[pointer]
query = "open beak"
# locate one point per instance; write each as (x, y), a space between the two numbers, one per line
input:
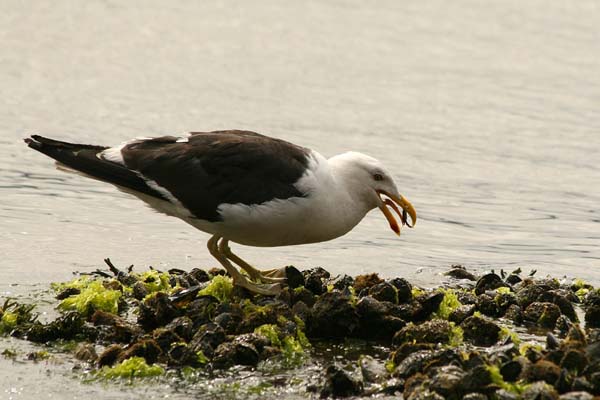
(394, 202)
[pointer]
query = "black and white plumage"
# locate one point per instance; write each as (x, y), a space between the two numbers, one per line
(243, 187)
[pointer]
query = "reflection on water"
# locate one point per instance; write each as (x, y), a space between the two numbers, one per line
(486, 113)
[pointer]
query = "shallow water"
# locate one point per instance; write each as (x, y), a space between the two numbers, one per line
(488, 115)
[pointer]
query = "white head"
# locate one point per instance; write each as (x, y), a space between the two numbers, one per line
(369, 183)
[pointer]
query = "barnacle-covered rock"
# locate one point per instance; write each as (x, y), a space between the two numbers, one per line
(333, 316)
(340, 383)
(480, 331)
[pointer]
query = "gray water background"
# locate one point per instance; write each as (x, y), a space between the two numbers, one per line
(487, 114)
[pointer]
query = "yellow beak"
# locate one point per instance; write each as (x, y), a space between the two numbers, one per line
(393, 201)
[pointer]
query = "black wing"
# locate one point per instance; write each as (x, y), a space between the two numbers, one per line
(212, 168)
(84, 158)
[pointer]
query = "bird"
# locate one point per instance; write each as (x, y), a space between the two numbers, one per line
(242, 187)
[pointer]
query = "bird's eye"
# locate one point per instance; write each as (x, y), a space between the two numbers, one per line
(378, 177)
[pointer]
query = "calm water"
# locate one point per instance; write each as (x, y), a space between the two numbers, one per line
(487, 113)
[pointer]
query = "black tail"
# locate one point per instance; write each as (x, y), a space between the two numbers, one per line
(84, 158)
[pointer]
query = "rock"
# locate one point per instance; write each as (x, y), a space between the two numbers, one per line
(576, 396)
(542, 371)
(475, 396)
(182, 326)
(199, 275)
(429, 303)
(480, 331)
(542, 314)
(513, 279)
(332, 316)
(384, 291)
(266, 311)
(180, 355)
(561, 299)
(294, 278)
(447, 380)
(595, 382)
(201, 310)
(403, 290)
(339, 383)
(511, 370)
(208, 337)
(433, 331)
(165, 338)
(235, 353)
(488, 282)
(419, 361)
(466, 297)
(156, 311)
(460, 272)
(503, 394)
(303, 294)
(229, 322)
(86, 352)
(514, 313)
(342, 282)
(564, 382)
(314, 280)
(114, 328)
(539, 391)
(487, 305)
(504, 301)
(580, 383)
(373, 371)
(366, 281)
(377, 320)
(574, 360)
(529, 293)
(460, 313)
(405, 349)
(477, 379)
(301, 310)
(110, 355)
(68, 292)
(146, 348)
(139, 290)
(592, 316)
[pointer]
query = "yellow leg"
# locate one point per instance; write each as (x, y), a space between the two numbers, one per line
(255, 274)
(238, 278)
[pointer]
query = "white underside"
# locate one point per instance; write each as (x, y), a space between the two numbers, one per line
(326, 213)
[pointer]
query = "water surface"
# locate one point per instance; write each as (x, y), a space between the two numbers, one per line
(487, 114)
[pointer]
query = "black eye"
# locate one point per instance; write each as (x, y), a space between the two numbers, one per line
(378, 177)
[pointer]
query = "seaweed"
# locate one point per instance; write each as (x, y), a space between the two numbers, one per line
(220, 287)
(93, 296)
(134, 367)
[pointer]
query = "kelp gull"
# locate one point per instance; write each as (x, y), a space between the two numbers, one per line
(242, 187)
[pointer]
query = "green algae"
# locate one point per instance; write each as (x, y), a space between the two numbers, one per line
(8, 322)
(449, 303)
(455, 337)
(155, 281)
(77, 283)
(292, 346)
(271, 332)
(497, 378)
(220, 287)
(416, 292)
(13, 314)
(390, 365)
(581, 293)
(95, 296)
(505, 333)
(503, 290)
(202, 359)
(134, 367)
